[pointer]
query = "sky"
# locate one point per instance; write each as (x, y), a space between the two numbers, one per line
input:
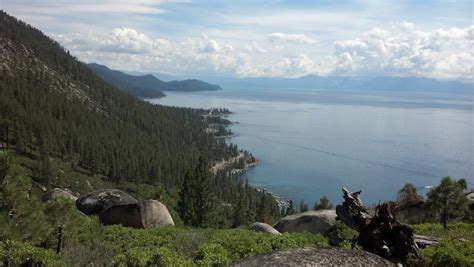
(267, 38)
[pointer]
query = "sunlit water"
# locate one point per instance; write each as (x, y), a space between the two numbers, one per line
(313, 142)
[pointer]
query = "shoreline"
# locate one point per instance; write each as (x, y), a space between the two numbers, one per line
(281, 201)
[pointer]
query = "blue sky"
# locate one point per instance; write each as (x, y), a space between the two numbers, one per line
(263, 38)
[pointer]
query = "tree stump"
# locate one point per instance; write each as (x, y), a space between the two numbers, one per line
(381, 233)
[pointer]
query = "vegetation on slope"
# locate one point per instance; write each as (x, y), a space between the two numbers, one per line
(28, 228)
(456, 247)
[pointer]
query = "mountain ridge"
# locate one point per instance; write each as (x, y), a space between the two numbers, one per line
(147, 85)
(375, 83)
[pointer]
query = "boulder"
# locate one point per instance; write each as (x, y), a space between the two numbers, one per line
(58, 192)
(144, 214)
(470, 199)
(263, 227)
(316, 257)
(316, 221)
(99, 200)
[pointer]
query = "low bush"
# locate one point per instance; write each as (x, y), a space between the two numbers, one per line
(14, 253)
(456, 247)
(150, 257)
(211, 254)
(446, 253)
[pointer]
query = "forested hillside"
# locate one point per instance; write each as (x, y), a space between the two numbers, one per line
(52, 106)
(147, 86)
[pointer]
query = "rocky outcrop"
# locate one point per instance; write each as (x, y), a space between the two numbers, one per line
(57, 193)
(470, 199)
(99, 200)
(316, 257)
(316, 221)
(263, 227)
(144, 214)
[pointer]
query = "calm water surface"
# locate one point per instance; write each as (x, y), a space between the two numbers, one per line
(313, 142)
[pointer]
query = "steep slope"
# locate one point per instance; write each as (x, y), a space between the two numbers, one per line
(147, 85)
(58, 107)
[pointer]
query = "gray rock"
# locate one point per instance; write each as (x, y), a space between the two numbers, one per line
(316, 221)
(316, 257)
(470, 199)
(99, 200)
(58, 192)
(263, 227)
(144, 214)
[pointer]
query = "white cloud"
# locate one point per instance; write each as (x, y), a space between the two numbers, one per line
(406, 50)
(87, 7)
(402, 50)
(128, 49)
(291, 38)
(130, 40)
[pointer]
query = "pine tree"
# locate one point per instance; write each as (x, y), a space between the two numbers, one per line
(186, 200)
(197, 200)
(408, 193)
(205, 198)
(303, 206)
(447, 200)
(44, 170)
(291, 209)
(323, 204)
(239, 216)
(263, 211)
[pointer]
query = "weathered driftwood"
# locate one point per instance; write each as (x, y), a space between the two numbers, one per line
(406, 204)
(380, 234)
(423, 241)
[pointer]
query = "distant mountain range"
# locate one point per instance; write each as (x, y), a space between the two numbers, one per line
(383, 83)
(148, 86)
(372, 83)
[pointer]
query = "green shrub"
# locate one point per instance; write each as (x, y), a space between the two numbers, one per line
(242, 243)
(211, 254)
(13, 253)
(21, 213)
(446, 253)
(293, 240)
(342, 233)
(151, 257)
(456, 247)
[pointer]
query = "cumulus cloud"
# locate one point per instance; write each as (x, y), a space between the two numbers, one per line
(291, 67)
(407, 50)
(291, 38)
(402, 50)
(128, 49)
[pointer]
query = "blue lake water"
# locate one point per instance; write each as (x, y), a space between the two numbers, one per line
(312, 142)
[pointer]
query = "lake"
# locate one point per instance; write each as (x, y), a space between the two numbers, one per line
(312, 142)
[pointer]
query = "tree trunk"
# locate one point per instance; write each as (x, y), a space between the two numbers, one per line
(380, 234)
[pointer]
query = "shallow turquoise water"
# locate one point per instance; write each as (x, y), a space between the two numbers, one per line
(313, 142)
